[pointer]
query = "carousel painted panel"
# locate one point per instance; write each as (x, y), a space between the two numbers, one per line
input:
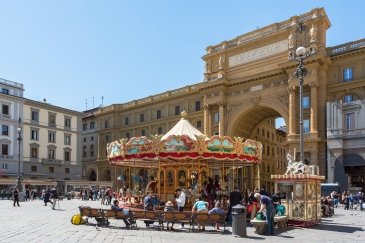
(220, 145)
(138, 145)
(178, 144)
(114, 149)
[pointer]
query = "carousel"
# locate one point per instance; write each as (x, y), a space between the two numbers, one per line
(182, 158)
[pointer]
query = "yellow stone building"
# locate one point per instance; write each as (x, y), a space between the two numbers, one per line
(248, 82)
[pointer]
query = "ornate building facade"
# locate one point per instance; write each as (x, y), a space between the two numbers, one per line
(249, 80)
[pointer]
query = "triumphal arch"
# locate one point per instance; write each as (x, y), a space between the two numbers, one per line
(251, 78)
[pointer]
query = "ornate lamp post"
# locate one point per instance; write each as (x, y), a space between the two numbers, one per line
(19, 130)
(302, 53)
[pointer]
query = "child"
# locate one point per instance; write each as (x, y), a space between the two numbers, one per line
(169, 207)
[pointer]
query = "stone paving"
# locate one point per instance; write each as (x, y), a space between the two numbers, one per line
(33, 222)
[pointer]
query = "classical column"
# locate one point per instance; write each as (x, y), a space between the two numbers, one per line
(314, 105)
(207, 120)
(221, 119)
(292, 111)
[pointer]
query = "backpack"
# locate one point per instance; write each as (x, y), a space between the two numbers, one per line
(76, 219)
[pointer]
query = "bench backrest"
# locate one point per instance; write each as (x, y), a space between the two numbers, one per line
(90, 212)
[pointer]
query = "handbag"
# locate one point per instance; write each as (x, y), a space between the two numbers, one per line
(260, 216)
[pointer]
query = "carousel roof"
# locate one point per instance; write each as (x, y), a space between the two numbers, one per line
(183, 127)
(182, 143)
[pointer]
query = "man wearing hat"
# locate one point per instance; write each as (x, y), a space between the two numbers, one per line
(268, 206)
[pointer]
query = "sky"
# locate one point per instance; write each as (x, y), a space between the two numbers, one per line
(69, 51)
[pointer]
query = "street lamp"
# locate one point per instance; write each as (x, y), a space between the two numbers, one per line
(19, 130)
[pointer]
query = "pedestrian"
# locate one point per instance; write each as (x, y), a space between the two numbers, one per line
(268, 206)
(54, 196)
(235, 198)
(180, 200)
(16, 196)
(47, 195)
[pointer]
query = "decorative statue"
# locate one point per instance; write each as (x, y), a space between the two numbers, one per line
(291, 40)
(207, 69)
(313, 34)
(294, 167)
(221, 62)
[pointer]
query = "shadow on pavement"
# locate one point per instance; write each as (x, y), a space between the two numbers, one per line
(337, 228)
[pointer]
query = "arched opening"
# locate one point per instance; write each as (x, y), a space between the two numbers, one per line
(350, 172)
(92, 176)
(268, 126)
(107, 176)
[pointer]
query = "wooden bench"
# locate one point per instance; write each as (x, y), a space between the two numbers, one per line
(205, 218)
(119, 215)
(260, 225)
(152, 216)
(95, 213)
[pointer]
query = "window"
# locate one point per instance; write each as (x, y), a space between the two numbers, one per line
(143, 133)
(197, 105)
(52, 120)
(33, 168)
(51, 137)
(107, 138)
(92, 150)
(5, 130)
(51, 169)
(126, 121)
(106, 124)
(141, 117)
(199, 124)
(84, 126)
(127, 135)
(4, 166)
(67, 156)
(68, 122)
(67, 170)
(35, 116)
(305, 102)
(268, 150)
(34, 152)
(68, 139)
(92, 125)
(84, 140)
(84, 152)
(5, 91)
(158, 114)
(306, 126)
(51, 153)
(349, 121)
(5, 110)
(347, 74)
(4, 149)
(159, 130)
(92, 138)
(216, 117)
(177, 110)
(348, 98)
(34, 134)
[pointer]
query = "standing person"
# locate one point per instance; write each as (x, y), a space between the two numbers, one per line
(235, 198)
(263, 191)
(212, 193)
(47, 195)
(347, 201)
(54, 196)
(16, 196)
(268, 206)
(27, 194)
(180, 201)
(200, 206)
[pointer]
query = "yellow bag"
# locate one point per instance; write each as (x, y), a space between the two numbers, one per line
(76, 219)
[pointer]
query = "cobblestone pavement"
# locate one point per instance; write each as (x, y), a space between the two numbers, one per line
(33, 222)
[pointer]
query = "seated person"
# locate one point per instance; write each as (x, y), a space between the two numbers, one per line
(116, 207)
(217, 210)
(201, 207)
(169, 207)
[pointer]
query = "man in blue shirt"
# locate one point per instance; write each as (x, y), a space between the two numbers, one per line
(268, 206)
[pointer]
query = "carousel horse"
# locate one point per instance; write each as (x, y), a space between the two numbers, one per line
(294, 167)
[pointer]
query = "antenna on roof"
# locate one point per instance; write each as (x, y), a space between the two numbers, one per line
(102, 101)
(86, 104)
(93, 102)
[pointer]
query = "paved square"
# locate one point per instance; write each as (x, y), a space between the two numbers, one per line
(33, 222)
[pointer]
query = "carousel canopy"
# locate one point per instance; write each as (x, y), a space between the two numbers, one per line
(183, 127)
(184, 143)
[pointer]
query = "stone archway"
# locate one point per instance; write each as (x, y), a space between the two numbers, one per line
(92, 176)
